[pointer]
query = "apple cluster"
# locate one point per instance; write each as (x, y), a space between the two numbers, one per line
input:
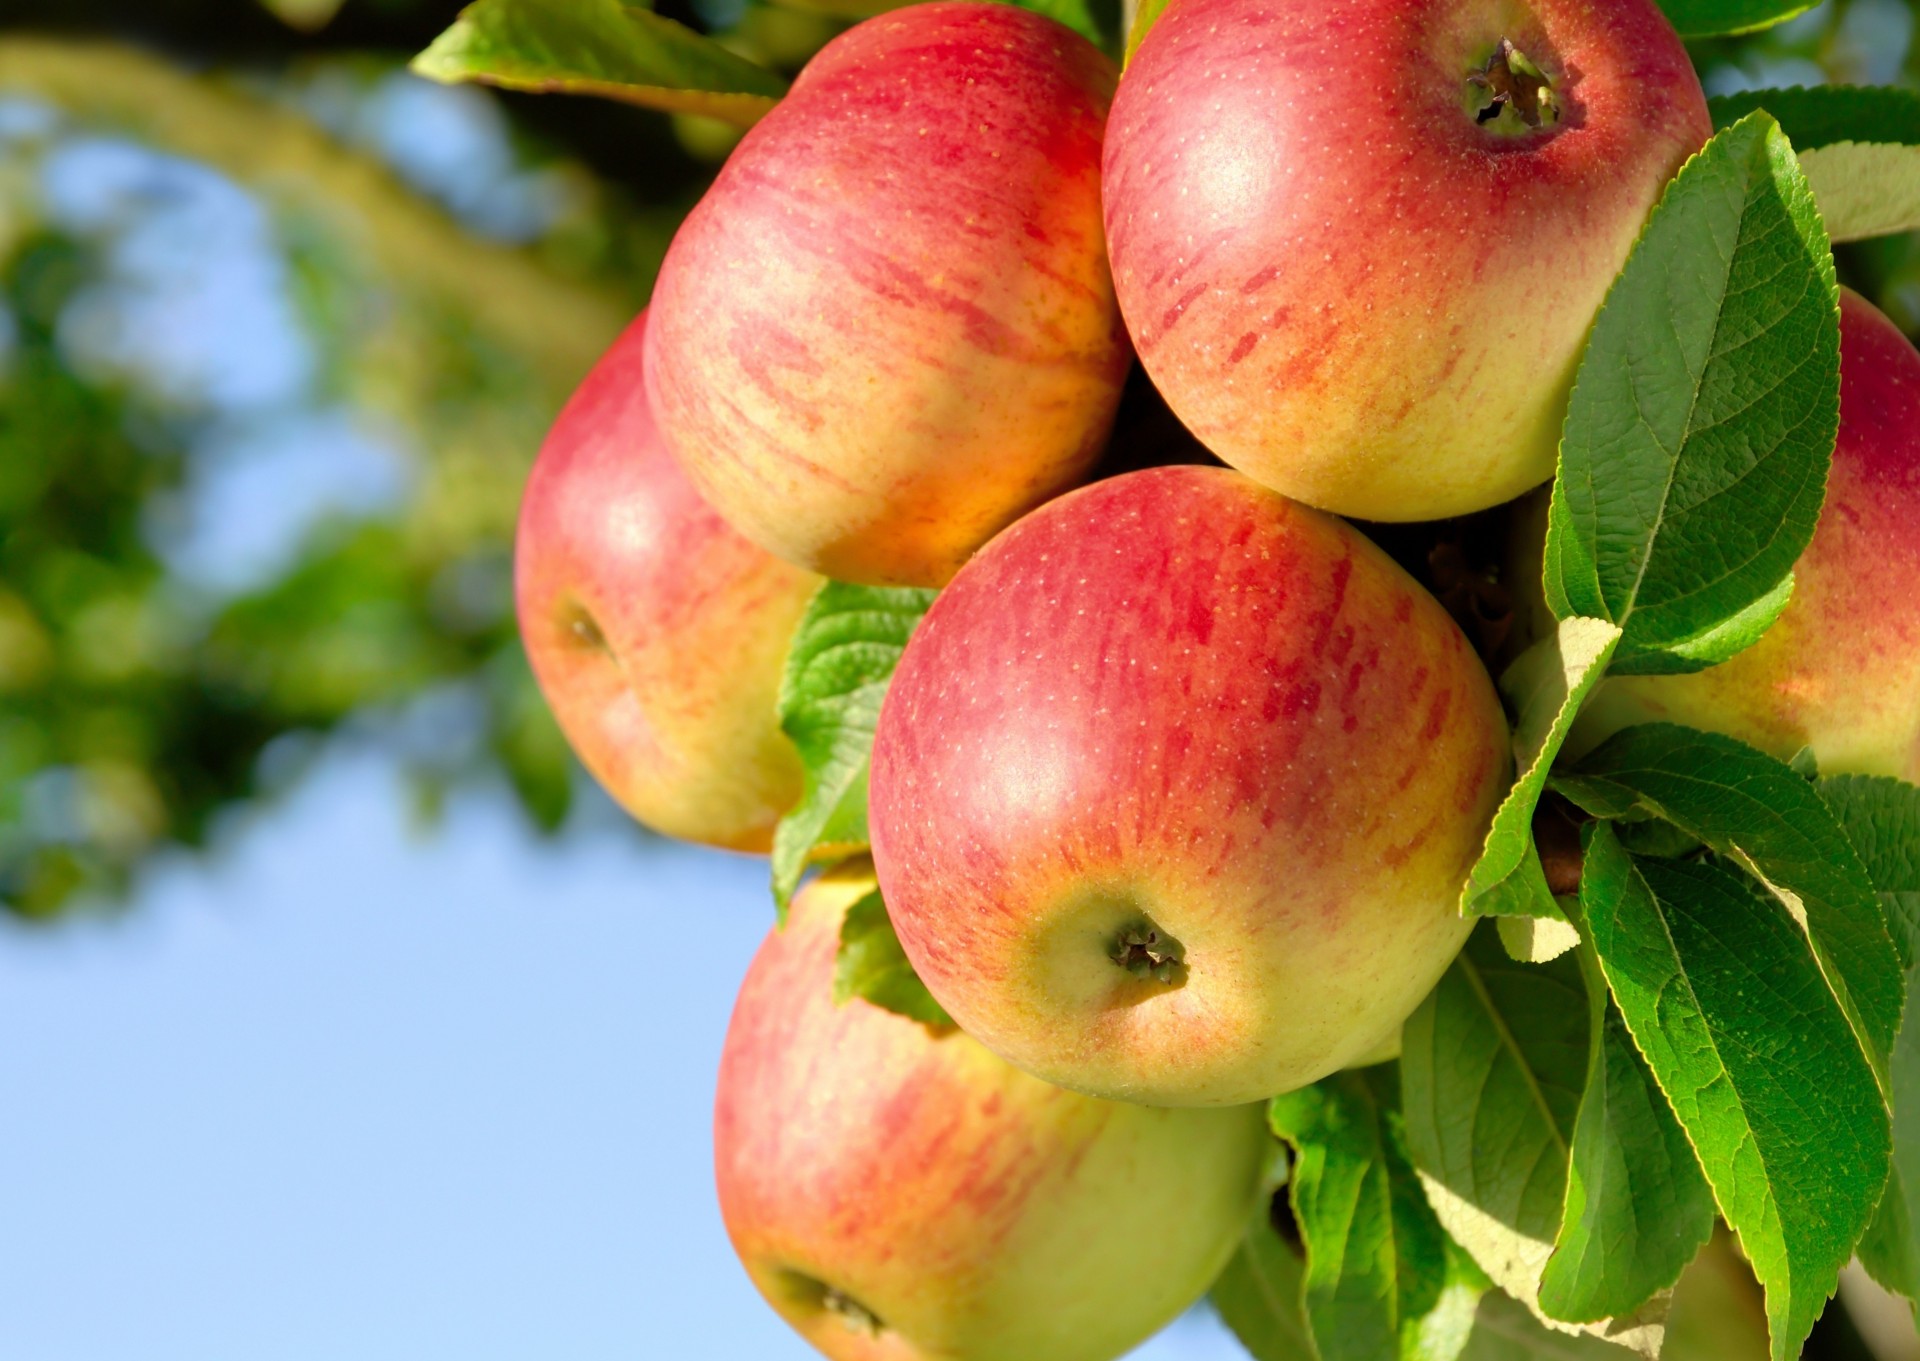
(1176, 785)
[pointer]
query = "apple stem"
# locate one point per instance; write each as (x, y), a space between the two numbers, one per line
(1510, 82)
(1145, 951)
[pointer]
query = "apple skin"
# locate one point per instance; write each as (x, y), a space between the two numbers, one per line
(656, 632)
(1840, 671)
(1346, 288)
(1177, 697)
(888, 329)
(977, 1212)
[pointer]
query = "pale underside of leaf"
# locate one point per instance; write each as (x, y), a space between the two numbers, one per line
(1506, 1331)
(1492, 1066)
(1145, 16)
(1537, 940)
(1865, 188)
(1514, 1261)
(1859, 147)
(1546, 688)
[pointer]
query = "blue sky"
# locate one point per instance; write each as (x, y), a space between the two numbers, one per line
(341, 1090)
(344, 1091)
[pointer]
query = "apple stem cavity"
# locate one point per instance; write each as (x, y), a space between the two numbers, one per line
(1511, 96)
(1145, 951)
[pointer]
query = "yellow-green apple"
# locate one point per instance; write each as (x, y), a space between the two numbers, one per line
(1360, 243)
(657, 633)
(1175, 789)
(888, 329)
(899, 1194)
(1840, 671)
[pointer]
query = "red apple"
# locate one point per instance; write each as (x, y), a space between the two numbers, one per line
(899, 1194)
(888, 329)
(656, 632)
(1346, 284)
(1175, 789)
(1840, 671)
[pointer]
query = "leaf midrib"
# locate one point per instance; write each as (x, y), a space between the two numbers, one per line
(1693, 408)
(1512, 1045)
(1772, 1203)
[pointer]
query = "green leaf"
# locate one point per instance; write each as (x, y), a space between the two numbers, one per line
(1888, 1250)
(1144, 18)
(1882, 820)
(1098, 21)
(1638, 1208)
(1546, 688)
(1881, 817)
(1757, 811)
(1717, 1316)
(1718, 18)
(1491, 1069)
(1505, 1331)
(600, 47)
(1651, 836)
(1703, 420)
(1258, 1295)
(842, 658)
(1382, 1277)
(1826, 115)
(1715, 643)
(1859, 147)
(1725, 1000)
(872, 965)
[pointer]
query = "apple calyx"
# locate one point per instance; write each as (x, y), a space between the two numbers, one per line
(585, 629)
(1510, 95)
(855, 1315)
(1145, 951)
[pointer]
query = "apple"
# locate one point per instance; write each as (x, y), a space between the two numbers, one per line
(888, 329)
(898, 1193)
(1840, 671)
(1175, 789)
(1360, 243)
(655, 631)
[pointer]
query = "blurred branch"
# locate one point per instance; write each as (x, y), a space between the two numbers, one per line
(558, 326)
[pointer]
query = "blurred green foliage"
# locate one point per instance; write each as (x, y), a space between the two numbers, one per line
(148, 690)
(1847, 42)
(447, 301)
